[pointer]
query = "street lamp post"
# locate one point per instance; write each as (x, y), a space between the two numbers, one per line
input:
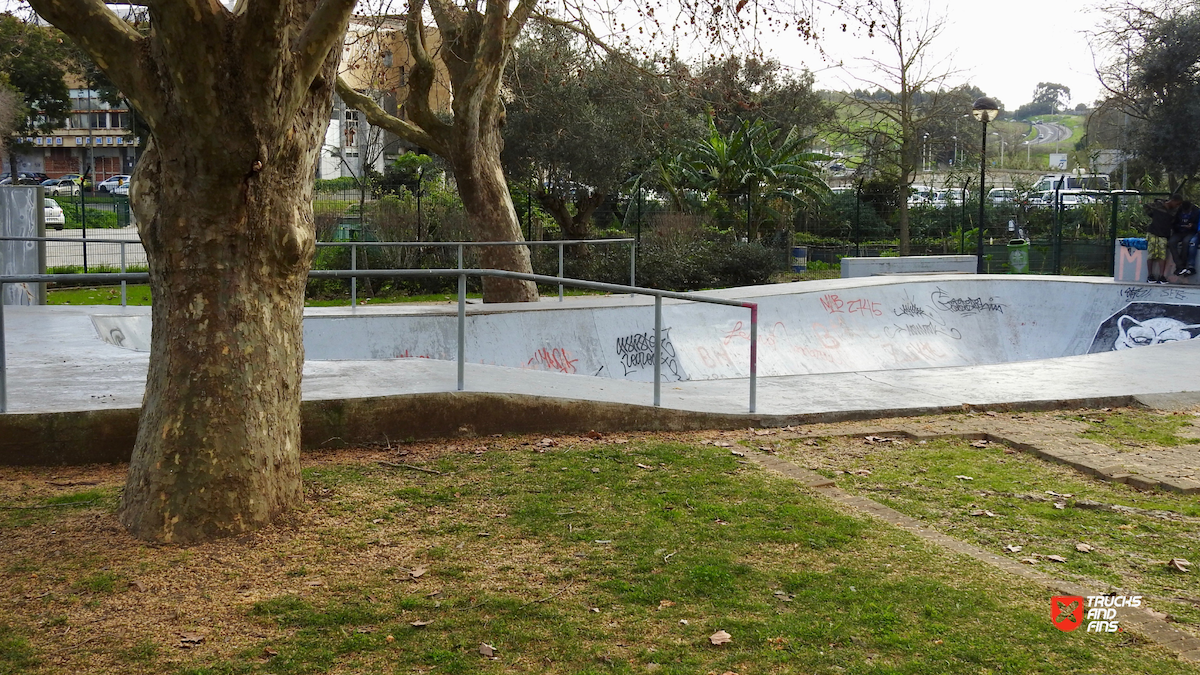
(985, 110)
(925, 154)
(955, 150)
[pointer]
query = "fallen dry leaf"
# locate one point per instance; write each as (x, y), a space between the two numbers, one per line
(720, 637)
(861, 472)
(1012, 548)
(643, 466)
(1126, 527)
(1029, 561)
(961, 477)
(391, 638)
(420, 624)
(737, 453)
(763, 432)
(595, 435)
(871, 440)
(1056, 558)
(978, 512)
(723, 444)
(620, 440)
(487, 650)
(547, 442)
(1060, 505)
(980, 444)
(190, 640)
(268, 652)
(1179, 564)
(1083, 548)
(418, 572)
(663, 604)
(316, 583)
(137, 586)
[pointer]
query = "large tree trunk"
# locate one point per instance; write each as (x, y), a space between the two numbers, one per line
(489, 207)
(903, 209)
(576, 225)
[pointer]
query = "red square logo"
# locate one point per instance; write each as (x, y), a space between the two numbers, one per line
(1066, 612)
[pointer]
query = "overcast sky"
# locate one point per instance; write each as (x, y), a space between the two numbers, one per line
(1004, 48)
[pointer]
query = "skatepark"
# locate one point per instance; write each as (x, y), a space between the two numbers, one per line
(827, 350)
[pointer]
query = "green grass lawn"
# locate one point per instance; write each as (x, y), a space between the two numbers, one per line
(566, 556)
(139, 294)
(1044, 508)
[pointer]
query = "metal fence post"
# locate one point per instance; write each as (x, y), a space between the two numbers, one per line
(462, 325)
(753, 356)
(657, 350)
(122, 272)
(353, 280)
(3, 358)
(1112, 237)
(560, 271)
(633, 263)
(460, 254)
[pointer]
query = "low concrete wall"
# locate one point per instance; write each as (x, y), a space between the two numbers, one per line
(108, 436)
(913, 264)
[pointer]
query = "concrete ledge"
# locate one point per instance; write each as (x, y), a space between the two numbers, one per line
(913, 264)
(108, 436)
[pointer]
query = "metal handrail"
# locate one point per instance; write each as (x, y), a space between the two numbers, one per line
(355, 244)
(462, 275)
(560, 243)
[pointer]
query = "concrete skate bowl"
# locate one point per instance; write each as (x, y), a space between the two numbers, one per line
(852, 325)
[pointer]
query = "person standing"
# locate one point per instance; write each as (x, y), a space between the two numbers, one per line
(1183, 231)
(1162, 218)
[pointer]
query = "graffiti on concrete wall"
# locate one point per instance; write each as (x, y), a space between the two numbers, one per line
(965, 306)
(557, 360)
(1141, 324)
(636, 353)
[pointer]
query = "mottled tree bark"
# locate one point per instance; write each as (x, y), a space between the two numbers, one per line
(576, 225)
(475, 48)
(237, 103)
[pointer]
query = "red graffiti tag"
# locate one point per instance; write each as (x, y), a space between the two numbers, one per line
(553, 359)
(836, 305)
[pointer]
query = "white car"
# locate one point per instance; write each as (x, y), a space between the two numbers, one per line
(122, 189)
(109, 184)
(54, 213)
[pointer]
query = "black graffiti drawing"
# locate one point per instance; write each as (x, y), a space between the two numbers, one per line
(636, 352)
(117, 337)
(965, 306)
(1132, 293)
(1141, 324)
(930, 329)
(910, 308)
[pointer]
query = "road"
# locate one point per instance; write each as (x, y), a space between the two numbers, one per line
(70, 252)
(1050, 132)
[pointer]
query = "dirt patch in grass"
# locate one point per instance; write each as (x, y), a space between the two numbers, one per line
(571, 556)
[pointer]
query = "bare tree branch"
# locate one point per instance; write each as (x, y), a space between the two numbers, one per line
(112, 43)
(424, 71)
(379, 118)
(324, 30)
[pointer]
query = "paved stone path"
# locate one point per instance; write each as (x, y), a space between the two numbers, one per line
(1051, 439)
(1057, 440)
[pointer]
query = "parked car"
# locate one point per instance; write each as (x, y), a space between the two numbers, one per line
(998, 196)
(108, 184)
(54, 214)
(122, 189)
(56, 187)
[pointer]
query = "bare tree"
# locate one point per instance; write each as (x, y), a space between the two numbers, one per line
(237, 101)
(914, 93)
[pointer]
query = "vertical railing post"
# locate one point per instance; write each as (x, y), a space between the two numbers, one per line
(3, 359)
(462, 326)
(460, 256)
(753, 355)
(560, 271)
(657, 350)
(122, 272)
(353, 280)
(1112, 236)
(633, 263)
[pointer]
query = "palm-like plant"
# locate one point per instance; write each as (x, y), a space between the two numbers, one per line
(750, 165)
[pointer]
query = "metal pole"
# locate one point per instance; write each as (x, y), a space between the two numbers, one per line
(1057, 227)
(462, 326)
(560, 271)
(982, 174)
(1112, 236)
(857, 218)
(122, 272)
(460, 249)
(353, 280)
(3, 359)
(753, 356)
(632, 263)
(657, 350)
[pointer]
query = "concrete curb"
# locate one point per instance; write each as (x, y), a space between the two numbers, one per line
(1140, 620)
(108, 436)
